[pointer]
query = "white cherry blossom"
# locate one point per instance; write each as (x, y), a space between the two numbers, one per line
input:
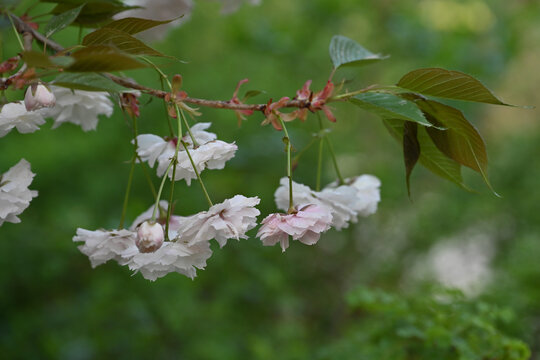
(172, 256)
(306, 226)
(14, 115)
(230, 219)
(15, 196)
(359, 196)
(102, 245)
(209, 153)
(79, 107)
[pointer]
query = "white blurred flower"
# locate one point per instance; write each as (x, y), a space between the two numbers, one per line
(101, 245)
(305, 226)
(150, 236)
(159, 10)
(359, 196)
(171, 257)
(15, 196)
(79, 107)
(230, 6)
(210, 153)
(37, 97)
(230, 219)
(15, 115)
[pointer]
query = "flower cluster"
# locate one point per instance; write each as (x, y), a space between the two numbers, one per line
(359, 196)
(14, 193)
(305, 225)
(143, 250)
(206, 152)
(79, 107)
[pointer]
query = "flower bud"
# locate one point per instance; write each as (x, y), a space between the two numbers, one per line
(37, 97)
(150, 237)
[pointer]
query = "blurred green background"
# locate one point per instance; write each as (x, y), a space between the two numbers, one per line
(253, 302)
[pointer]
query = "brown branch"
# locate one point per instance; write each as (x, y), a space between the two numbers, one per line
(26, 30)
(23, 28)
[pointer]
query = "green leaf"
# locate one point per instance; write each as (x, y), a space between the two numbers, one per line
(37, 59)
(460, 140)
(251, 93)
(133, 25)
(448, 84)
(88, 82)
(430, 156)
(61, 21)
(347, 52)
(389, 106)
(121, 40)
(102, 58)
(411, 150)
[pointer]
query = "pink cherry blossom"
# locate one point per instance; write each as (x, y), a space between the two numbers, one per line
(306, 226)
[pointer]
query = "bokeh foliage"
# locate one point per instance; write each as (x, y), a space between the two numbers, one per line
(251, 301)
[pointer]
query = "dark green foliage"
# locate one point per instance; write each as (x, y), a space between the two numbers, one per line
(439, 325)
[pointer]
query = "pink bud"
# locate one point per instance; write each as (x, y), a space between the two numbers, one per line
(38, 97)
(150, 237)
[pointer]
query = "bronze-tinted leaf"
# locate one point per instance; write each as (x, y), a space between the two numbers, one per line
(133, 25)
(411, 150)
(102, 58)
(123, 41)
(460, 141)
(448, 84)
(37, 59)
(430, 156)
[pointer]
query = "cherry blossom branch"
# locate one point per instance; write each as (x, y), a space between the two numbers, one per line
(24, 28)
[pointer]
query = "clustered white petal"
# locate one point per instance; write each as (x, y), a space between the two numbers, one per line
(189, 249)
(15, 196)
(102, 245)
(306, 226)
(15, 115)
(359, 196)
(210, 153)
(230, 219)
(79, 107)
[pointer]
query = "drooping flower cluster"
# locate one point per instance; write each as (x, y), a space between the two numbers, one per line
(206, 153)
(143, 250)
(305, 225)
(14, 115)
(14, 193)
(359, 196)
(79, 107)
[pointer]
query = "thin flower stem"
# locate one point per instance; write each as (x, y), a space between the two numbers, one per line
(15, 31)
(161, 190)
(333, 155)
(171, 130)
(195, 144)
(198, 175)
(173, 180)
(148, 177)
(128, 190)
(130, 177)
(319, 160)
(289, 168)
(319, 166)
